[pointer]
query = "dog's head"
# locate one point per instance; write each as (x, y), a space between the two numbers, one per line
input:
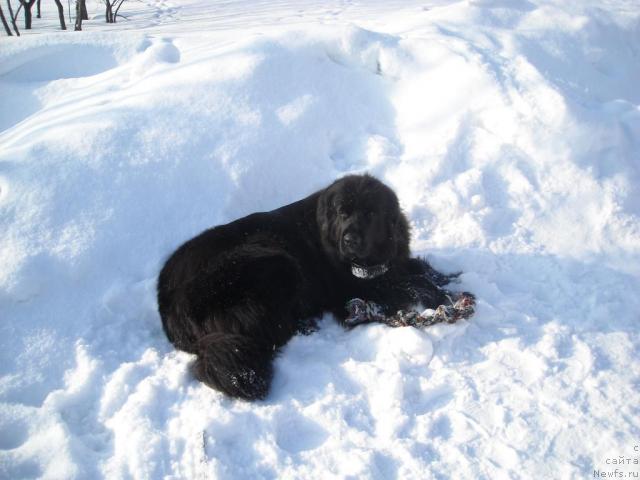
(361, 224)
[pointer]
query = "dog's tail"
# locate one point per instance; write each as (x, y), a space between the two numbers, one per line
(237, 365)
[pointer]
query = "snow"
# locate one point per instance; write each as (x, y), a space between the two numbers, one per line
(511, 133)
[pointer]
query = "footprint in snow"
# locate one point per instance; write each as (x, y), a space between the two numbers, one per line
(295, 433)
(13, 431)
(155, 53)
(166, 51)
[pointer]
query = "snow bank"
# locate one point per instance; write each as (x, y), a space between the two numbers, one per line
(510, 132)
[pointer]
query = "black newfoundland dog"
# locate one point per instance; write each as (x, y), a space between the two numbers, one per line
(238, 292)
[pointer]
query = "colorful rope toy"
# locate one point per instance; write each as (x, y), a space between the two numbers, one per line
(460, 306)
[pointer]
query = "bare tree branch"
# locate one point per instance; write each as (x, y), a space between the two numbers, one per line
(27, 4)
(111, 13)
(118, 9)
(60, 14)
(4, 23)
(14, 17)
(80, 4)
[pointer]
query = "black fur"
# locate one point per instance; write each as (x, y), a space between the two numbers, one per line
(238, 292)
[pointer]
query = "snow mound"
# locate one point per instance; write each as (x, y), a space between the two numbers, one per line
(510, 132)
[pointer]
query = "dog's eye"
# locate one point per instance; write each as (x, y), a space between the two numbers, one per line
(371, 213)
(342, 212)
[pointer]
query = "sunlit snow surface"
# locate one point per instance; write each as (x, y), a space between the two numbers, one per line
(509, 129)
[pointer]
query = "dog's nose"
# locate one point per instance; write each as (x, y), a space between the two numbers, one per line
(352, 240)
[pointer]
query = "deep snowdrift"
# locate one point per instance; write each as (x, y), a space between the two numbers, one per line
(510, 131)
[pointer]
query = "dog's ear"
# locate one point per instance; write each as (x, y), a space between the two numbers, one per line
(323, 210)
(402, 233)
(325, 218)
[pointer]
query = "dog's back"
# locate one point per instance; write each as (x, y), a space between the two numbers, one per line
(236, 293)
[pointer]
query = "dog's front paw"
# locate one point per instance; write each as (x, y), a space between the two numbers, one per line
(362, 311)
